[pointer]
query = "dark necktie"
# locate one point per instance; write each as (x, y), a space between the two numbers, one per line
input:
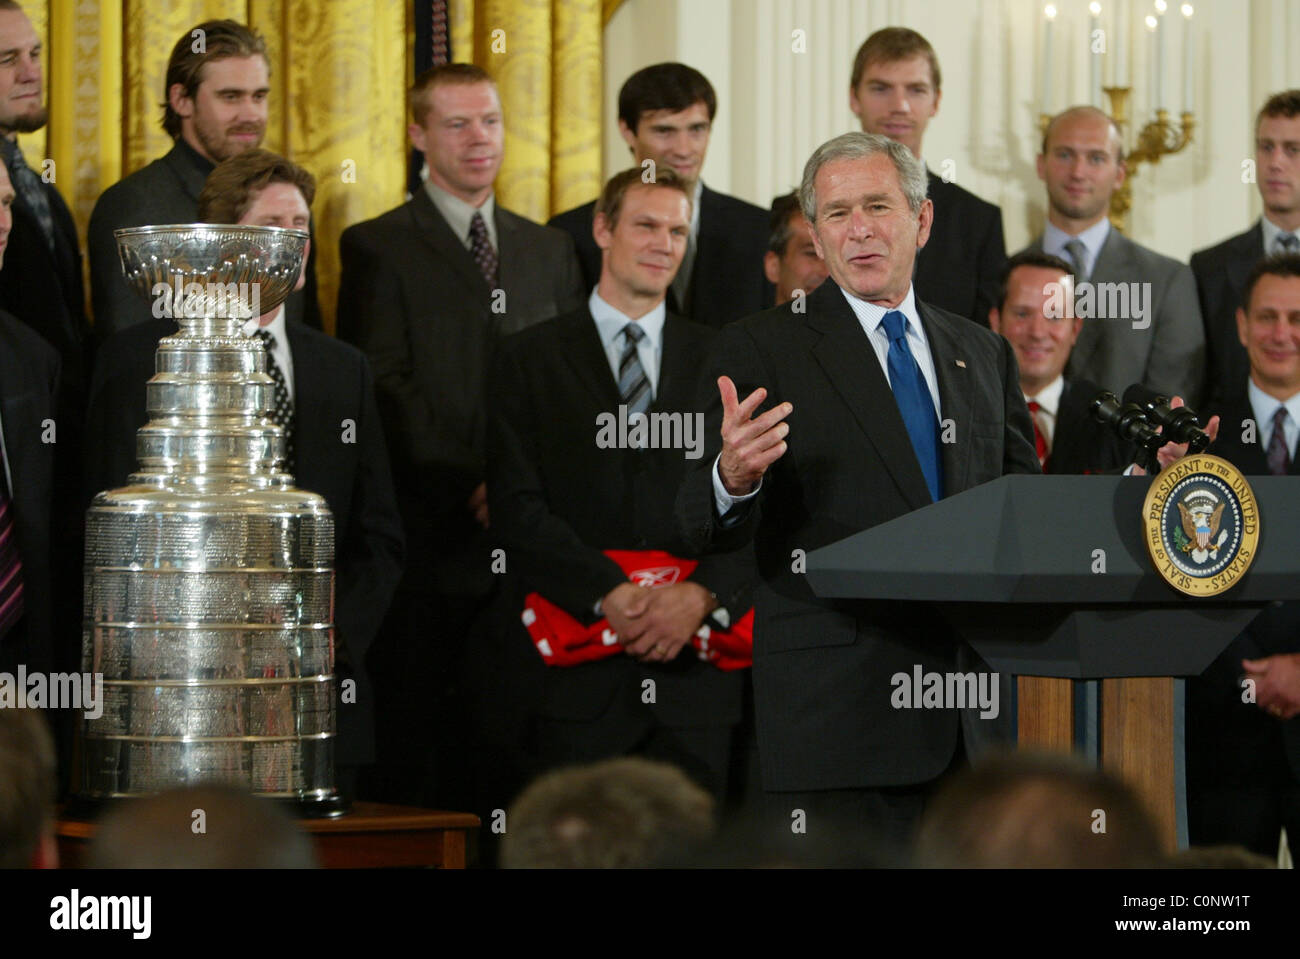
(1040, 439)
(480, 247)
(914, 402)
(29, 186)
(1287, 243)
(282, 411)
(11, 567)
(1078, 258)
(633, 384)
(1279, 459)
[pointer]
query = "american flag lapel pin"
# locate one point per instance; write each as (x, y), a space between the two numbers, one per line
(961, 364)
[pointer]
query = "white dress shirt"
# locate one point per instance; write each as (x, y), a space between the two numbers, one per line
(1265, 408)
(1049, 405)
(283, 357)
(609, 325)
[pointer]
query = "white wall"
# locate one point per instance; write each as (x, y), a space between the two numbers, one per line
(776, 106)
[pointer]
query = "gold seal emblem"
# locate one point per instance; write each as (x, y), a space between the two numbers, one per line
(1201, 525)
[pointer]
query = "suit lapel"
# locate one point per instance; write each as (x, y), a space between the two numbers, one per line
(1109, 266)
(516, 274)
(586, 358)
(955, 385)
(313, 435)
(1245, 254)
(676, 385)
(846, 356)
(433, 229)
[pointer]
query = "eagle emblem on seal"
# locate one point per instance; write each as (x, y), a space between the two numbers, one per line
(1202, 514)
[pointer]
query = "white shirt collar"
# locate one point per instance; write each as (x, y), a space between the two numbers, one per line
(1271, 232)
(1265, 406)
(870, 314)
(1049, 397)
(276, 327)
(610, 321)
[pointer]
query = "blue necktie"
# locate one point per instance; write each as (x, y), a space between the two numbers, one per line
(914, 402)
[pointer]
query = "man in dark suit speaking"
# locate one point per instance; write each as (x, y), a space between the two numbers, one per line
(870, 405)
(326, 384)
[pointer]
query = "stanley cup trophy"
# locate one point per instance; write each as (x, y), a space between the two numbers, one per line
(209, 592)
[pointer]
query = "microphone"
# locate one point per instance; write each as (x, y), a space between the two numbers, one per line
(1180, 425)
(1128, 421)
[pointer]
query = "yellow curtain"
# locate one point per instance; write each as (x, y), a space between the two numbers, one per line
(339, 73)
(546, 58)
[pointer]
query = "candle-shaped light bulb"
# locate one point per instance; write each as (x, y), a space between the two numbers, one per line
(1161, 7)
(1094, 57)
(1094, 8)
(1049, 14)
(1189, 57)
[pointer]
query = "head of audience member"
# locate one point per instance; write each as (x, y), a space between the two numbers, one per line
(665, 114)
(621, 813)
(200, 827)
(1277, 158)
(27, 788)
(1029, 313)
(1082, 163)
(1268, 325)
(218, 81)
(260, 188)
(791, 262)
(456, 123)
(641, 228)
(7, 196)
(1036, 811)
(1218, 857)
(864, 195)
(895, 88)
(22, 100)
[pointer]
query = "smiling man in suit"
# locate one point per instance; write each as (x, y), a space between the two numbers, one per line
(561, 497)
(216, 97)
(842, 427)
(325, 384)
(1243, 752)
(426, 291)
(895, 92)
(665, 114)
(1067, 437)
(1155, 336)
(1221, 271)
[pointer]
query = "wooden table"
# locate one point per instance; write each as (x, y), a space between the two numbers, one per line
(371, 836)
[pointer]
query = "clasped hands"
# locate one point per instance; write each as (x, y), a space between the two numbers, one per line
(654, 624)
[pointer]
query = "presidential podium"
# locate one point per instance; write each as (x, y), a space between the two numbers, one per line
(1049, 579)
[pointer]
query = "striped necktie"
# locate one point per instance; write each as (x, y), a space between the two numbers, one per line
(282, 411)
(1278, 456)
(11, 566)
(32, 191)
(1040, 438)
(633, 384)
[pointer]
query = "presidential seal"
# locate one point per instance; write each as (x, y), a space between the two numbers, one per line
(1201, 525)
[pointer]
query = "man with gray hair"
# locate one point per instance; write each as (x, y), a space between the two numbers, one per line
(866, 407)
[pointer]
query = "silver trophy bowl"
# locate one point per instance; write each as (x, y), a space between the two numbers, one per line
(209, 584)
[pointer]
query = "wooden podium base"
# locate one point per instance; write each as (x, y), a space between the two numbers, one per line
(1137, 735)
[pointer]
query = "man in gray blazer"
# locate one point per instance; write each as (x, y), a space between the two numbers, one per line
(1142, 321)
(215, 107)
(426, 292)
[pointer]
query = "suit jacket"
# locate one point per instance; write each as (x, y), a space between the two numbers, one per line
(413, 299)
(727, 279)
(165, 191)
(1221, 273)
(958, 268)
(1080, 444)
(1224, 735)
(822, 668)
(1169, 354)
(332, 383)
(43, 288)
(29, 382)
(558, 500)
